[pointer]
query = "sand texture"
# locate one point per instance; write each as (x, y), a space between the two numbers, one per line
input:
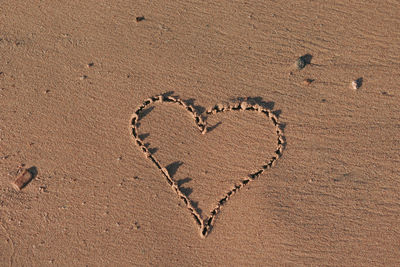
(189, 133)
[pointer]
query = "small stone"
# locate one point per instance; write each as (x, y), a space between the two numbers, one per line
(300, 63)
(91, 64)
(307, 81)
(303, 61)
(43, 188)
(356, 84)
(83, 77)
(220, 106)
(243, 105)
(139, 19)
(23, 179)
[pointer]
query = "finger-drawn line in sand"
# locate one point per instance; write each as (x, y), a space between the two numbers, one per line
(206, 224)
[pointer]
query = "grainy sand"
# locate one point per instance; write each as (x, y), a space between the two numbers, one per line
(72, 76)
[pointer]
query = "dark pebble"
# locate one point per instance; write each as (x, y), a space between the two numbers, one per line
(301, 63)
(138, 19)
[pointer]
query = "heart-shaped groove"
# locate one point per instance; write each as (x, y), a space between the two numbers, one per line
(205, 225)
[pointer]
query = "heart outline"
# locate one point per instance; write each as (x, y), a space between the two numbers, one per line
(205, 225)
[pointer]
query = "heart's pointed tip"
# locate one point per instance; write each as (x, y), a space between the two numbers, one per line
(203, 232)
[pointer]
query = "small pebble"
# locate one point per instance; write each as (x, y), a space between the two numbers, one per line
(301, 63)
(139, 19)
(91, 64)
(83, 77)
(386, 93)
(243, 105)
(42, 188)
(307, 81)
(356, 84)
(23, 179)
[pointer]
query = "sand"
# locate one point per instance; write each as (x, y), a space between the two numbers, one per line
(72, 76)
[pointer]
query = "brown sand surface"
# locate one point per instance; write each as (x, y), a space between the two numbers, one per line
(333, 198)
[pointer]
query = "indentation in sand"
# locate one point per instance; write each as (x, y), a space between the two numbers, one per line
(206, 223)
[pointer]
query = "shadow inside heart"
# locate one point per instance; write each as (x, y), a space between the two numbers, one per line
(212, 166)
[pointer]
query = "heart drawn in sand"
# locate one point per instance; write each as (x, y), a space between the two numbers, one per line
(205, 224)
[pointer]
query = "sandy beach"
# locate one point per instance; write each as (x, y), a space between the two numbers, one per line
(199, 133)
